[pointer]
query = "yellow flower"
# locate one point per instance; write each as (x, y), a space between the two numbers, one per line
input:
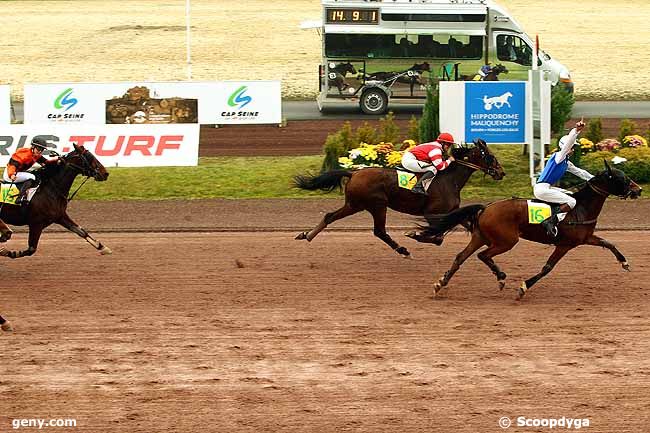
(394, 159)
(369, 153)
(345, 162)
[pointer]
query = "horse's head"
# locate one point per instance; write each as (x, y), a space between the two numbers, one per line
(85, 163)
(480, 157)
(344, 68)
(500, 69)
(615, 182)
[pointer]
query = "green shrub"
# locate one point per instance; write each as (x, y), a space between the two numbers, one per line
(336, 145)
(413, 132)
(429, 123)
(594, 130)
(366, 133)
(637, 166)
(626, 128)
(561, 106)
(389, 130)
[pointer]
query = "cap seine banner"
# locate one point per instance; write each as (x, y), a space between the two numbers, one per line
(114, 145)
(229, 102)
(5, 104)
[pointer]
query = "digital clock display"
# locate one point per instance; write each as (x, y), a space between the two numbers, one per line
(352, 16)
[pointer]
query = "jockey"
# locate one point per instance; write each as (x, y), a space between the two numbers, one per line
(21, 161)
(427, 158)
(558, 164)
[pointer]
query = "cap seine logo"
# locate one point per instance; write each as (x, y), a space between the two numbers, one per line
(238, 98)
(64, 100)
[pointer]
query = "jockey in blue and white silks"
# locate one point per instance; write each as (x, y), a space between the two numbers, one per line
(556, 166)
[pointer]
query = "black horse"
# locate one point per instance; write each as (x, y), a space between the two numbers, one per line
(376, 189)
(337, 75)
(51, 200)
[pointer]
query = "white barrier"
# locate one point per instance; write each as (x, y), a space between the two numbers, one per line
(224, 102)
(114, 145)
(5, 104)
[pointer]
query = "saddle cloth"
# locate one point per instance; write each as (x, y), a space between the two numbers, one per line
(9, 192)
(538, 211)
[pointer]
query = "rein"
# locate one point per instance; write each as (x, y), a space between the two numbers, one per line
(598, 190)
(469, 164)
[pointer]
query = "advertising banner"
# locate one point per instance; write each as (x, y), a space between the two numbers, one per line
(245, 102)
(113, 145)
(5, 104)
(154, 103)
(495, 111)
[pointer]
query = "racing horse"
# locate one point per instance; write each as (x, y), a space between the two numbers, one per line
(336, 76)
(5, 325)
(500, 225)
(49, 203)
(492, 74)
(376, 189)
(411, 76)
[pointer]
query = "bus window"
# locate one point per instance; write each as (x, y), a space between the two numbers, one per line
(512, 48)
(457, 47)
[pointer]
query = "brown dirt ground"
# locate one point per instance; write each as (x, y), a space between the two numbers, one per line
(234, 326)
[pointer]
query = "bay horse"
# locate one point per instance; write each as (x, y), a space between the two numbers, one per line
(337, 75)
(376, 189)
(492, 75)
(50, 201)
(500, 225)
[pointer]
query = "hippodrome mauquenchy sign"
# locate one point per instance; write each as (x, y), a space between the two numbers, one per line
(114, 145)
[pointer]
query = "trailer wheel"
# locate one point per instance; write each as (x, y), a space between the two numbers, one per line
(374, 101)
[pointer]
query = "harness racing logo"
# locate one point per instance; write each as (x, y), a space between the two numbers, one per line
(65, 102)
(239, 99)
(495, 111)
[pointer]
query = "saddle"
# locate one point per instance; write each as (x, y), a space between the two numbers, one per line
(10, 191)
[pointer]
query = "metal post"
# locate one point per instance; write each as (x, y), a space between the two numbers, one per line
(188, 39)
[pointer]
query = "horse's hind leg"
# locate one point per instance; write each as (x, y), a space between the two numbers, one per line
(69, 224)
(379, 217)
(558, 253)
(35, 232)
(5, 325)
(486, 257)
(474, 244)
(328, 219)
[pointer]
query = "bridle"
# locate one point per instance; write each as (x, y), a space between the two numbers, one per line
(605, 193)
(86, 170)
(489, 170)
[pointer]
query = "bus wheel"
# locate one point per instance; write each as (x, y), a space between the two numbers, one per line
(374, 101)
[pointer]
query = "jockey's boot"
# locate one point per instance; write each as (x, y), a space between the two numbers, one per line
(22, 192)
(418, 188)
(550, 223)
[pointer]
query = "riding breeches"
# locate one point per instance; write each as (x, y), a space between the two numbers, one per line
(546, 192)
(21, 176)
(410, 162)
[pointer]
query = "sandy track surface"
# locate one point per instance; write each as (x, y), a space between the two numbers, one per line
(254, 332)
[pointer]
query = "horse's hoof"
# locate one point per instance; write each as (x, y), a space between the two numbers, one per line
(437, 287)
(7, 327)
(626, 266)
(105, 251)
(521, 292)
(502, 284)
(301, 236)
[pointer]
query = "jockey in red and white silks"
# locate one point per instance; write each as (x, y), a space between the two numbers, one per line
(428, 158)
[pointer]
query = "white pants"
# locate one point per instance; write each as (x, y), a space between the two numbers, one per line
(21, 176)
(546, 192)
(410, 162)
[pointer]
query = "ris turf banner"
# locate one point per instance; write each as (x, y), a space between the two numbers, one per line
(114, 145)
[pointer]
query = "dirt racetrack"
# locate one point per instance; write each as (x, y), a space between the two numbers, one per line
(233, 330)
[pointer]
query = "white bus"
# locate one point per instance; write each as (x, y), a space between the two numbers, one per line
(377, 51)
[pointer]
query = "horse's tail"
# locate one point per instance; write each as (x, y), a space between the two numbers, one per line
(326, 181)
(441, 224)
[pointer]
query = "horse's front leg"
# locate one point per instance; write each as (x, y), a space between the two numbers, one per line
(35, 232)
(600, 242)
(69, 224)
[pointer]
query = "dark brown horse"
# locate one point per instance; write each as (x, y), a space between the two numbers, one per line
(500, 225)
(50, 201)
(376, 189)
(492, 75)
(337, 75)
(5, 325)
